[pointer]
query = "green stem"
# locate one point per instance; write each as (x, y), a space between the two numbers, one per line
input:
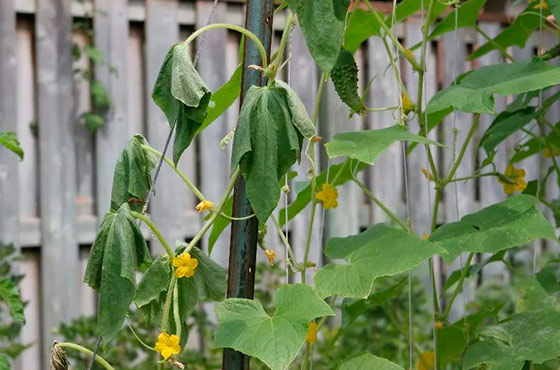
(176, 315)
(100, 360)
(138, 337)
(236, 218)
(285, 241)
(180, 173)
(155, 231)
(458, 179)
(502, 51)
(309, 233)
(464, 148)
(381, 109)
(167, 304)
(458, 288)
(242, 30)
(306, 359)
(217, 211)
(290, 22)
(393, 38)
(381, 205)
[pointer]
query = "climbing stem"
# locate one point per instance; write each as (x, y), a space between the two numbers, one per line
(463, 150)
(180, 173)
(232, 27)
(458, 288)
(155, 231)
(100, 360)
(285, 241)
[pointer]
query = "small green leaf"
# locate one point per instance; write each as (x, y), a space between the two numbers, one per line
(94, 54)
(100, 96)
(366, 146)
(341, 172)
(9, 141)
(322, 29)
(133, 175)
(244, 325)
(10, 296)
(4, 362)
(154, 281)
(223, 98)
(368, 257)
(516, 34)
(507, 224)
(528, 336)
(182, 95)
(465, 16)
(93, 121)
(361, 26)
(119, 250)
(368, 361)
(406, 8)
(505, 124)
(474, 91)
(345, 78)
(266, 144)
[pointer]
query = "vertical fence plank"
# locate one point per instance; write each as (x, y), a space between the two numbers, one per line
(162, 31)
(59, 252)
(9, 197)
(31, 293)
(212, 66)
(135, 80)
(386, 177)
(304, 81)
(111, 37)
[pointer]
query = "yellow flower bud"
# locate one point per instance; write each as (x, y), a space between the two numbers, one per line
(204, 206)
(271, 255)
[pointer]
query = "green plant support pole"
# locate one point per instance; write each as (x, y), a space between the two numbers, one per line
(243, 245)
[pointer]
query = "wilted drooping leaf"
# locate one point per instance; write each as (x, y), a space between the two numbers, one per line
(266, 144)
(182, 95)
(244, 325)
(133, 175)
(379, 251)
(507, 224)
(366, 146)
(119, 250)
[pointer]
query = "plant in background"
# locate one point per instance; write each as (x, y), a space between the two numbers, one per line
(367, 272)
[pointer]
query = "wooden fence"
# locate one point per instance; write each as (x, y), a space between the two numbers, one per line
(51, 202)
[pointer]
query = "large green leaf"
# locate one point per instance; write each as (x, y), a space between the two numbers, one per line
(4, 362)
(341, 172)
(379, 251)
(118, 251)
(504, 225)
(528, 336)
(223, 98)
(244, 325)
(182, 95)
(266, 145)
(368, 361)
(516, 34)
(10, 141)
(133, 175)
(505, 124)
(474, 91)
(554, 6)
(366, 146)
(465, 16)
(539, 290)
(361, 26)
(10, 296)
(406, 8)
(322, 29)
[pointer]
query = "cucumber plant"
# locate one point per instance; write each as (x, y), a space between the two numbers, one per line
(273, 133)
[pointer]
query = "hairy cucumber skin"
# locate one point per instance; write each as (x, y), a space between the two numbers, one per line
(345, 78)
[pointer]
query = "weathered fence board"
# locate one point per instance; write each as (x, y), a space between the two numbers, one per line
(59, 252)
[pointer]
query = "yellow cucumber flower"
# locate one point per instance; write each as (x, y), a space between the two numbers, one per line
(517, 182)
(311, 336)
(426, 361)
(328, 195)
(184, 265)
(271, 255)
(407, 104)
(542, 5)
(205, 205)
(167, 345)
